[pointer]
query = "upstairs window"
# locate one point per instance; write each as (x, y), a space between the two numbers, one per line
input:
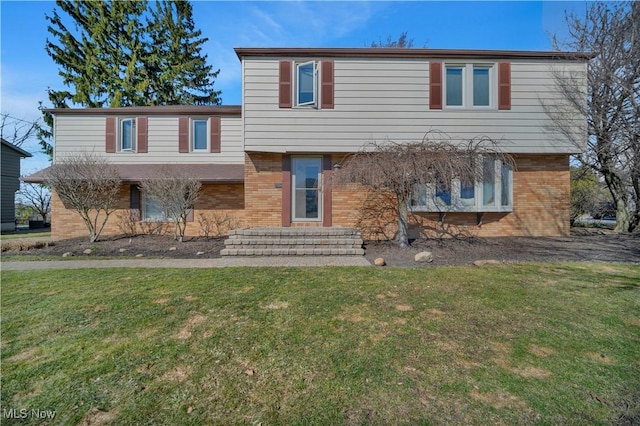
(127, 139)
(199, 132)
(469, 86)
(306, 84)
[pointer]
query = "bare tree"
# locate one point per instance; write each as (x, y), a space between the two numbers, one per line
(89, 185)
(403, 42)
(16, 130)
(175, 191)
(400, 169)
(38, 197)
(612, 32)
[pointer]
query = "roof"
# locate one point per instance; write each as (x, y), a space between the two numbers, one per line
(226, 110)
(382, 52)
(19, 150)
(134, 173)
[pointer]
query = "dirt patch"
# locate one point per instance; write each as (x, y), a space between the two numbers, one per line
(534, 372)
(584, 244)
(541, 351)
(404, 308)
(276, 305)
(161, 301)
(601, 358)
(96, 417)
(178, 374)
(190, 298)
(185, 332)
(29, 355)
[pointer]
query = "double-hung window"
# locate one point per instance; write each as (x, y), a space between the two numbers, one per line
(306, 84)
(490, 192)
(199, 134)
(127, 134)
(152, 211)
(469, 86)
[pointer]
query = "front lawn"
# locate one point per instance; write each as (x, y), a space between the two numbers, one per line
(518, 344)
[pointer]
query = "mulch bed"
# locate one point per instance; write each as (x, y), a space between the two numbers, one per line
(584, 244)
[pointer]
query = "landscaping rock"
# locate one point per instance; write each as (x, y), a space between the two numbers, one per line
(200, 253)
(139, 255)
(424, 257)
(87, 251)
(122, 250)
(487, 262)
(172, 249)
(379, 261)
(67, 254)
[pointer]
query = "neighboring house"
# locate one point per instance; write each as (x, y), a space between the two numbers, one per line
(269, 162)
(11, 156)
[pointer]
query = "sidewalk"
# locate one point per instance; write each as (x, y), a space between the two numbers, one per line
(273, 261)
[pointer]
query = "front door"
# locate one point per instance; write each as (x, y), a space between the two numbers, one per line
(306, 182)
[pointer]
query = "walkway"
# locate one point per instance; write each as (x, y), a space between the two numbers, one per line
(273, 261)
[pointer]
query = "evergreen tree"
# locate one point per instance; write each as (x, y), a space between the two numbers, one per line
(178, 72)
(125, 53)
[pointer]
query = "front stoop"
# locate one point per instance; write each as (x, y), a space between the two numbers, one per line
(293, 242)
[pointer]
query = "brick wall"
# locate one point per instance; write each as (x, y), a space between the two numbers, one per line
(540, 189)
(219, 205)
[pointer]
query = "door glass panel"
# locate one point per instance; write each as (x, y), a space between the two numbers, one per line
(306, 183)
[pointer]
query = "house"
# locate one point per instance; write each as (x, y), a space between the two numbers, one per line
(11, 156)
(268, 162)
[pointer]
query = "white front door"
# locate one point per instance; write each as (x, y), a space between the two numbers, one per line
(306, 182)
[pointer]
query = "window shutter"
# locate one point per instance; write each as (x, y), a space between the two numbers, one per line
(504, 85)
(286, 190)
(110, 135)
(326, 90)
(327, 195)
(134, 203)
(284, 84)
(142, 125)
(215, 136)
(183, 134)
(435, 85)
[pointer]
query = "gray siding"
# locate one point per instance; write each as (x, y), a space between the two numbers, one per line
(83, 133)
(382, 99)
(10, 183)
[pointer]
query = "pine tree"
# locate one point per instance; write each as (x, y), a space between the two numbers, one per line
(178, 71)
(125, 53)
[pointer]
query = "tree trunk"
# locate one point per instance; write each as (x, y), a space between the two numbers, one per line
(403, 222)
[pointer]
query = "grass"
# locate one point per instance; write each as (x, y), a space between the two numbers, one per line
(525, 344)
(25, 234)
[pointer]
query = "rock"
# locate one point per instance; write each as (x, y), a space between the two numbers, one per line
(87, 251)
(379, 261)
(139, 255)
(424, 256)
(67, 254)
(189, 410)
(200, 253)
(122, 250)
(250, 372)
(486, 262)
(172, 249)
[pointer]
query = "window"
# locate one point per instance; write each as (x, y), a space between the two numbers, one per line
(455, 86)
(491, 192)
(469, 86)
(306, 84)
(199, 139)
(127, 139)
(152, 211)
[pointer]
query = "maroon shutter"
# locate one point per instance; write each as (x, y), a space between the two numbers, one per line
(183, 134)
(214, 123)
(326, 90)
(504, 85)
(286, 190)
(435, 85)
(326, 191)
(142, 126)
(110, 135)
(134, 203)
(284, 84)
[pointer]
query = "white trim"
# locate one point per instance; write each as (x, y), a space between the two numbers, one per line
(192, 142)
(134, 134)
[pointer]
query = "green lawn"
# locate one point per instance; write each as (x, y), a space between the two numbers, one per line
(520, 344)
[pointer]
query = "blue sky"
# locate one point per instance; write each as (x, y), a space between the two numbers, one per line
(27, 71)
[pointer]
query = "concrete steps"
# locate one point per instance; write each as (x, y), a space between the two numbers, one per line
(293, 242)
